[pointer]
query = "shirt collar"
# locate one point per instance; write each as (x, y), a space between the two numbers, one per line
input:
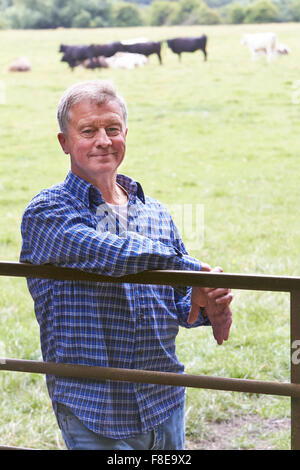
(90, 195)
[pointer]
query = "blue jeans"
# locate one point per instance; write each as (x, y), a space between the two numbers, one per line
(169, 435)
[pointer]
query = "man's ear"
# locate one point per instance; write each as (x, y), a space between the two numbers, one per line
(63, 142)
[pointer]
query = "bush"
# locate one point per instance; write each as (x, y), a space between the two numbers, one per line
(125, 14)
(262, 11)
(82, 20)
(3, 23)
(54, 13)
(183, 11)
(190, 12)
(98, 22)
(236, 13)
(160, 12)
(26, 14)
(295, 10)
(207, 15)
(24, 18)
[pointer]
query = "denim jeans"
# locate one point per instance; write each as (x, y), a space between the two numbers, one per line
(169, 435)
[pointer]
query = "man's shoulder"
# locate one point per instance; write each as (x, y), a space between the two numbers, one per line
(52, 192)
(49, 196)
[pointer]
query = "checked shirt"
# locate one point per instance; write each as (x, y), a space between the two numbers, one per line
(108, 324)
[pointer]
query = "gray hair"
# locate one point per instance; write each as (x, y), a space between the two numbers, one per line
(96, 91)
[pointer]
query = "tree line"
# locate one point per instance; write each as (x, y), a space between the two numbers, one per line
(42, 14)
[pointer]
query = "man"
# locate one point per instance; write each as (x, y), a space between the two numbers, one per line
(100, 221)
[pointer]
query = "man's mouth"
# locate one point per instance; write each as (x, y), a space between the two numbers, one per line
(93, 155)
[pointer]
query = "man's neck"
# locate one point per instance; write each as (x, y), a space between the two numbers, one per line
(112, 192)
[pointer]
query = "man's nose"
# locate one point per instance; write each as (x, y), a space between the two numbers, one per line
(102, 139)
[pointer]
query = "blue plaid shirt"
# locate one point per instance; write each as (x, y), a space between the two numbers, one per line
(107, 324)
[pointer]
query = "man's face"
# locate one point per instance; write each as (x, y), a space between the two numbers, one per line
(96, 140)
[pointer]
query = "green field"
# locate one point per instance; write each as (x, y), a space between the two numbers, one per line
(222, 135)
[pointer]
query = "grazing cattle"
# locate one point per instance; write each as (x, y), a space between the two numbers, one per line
(144, 48)
(21, 64)
(126, 60)
(179, 45)
(74, 55)
(261, 43)
(120, 60)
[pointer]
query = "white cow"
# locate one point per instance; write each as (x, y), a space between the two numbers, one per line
(95, 62)
(21, 64)
(261, 43)
(126, 60)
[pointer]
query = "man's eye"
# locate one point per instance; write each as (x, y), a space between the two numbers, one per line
(113, 131)
(87, 131)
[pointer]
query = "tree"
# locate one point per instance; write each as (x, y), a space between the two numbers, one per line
(208, 15)
(217, 3)
(99, 8)
(236, 13)
(102, 13)
(3, 23)
(19, 17)
(5, 4)
(126, 15)
(82, 20)
(183, 11)
(82, 13)
(262, 11)
(160, 12)
(295, 10)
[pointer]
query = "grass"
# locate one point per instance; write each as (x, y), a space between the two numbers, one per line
(221, 134)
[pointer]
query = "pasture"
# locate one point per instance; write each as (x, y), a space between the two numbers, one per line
(221, 134)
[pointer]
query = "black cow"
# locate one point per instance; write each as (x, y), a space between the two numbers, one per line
(74, 55)
(179, 45)
(145, 48)
(107, 50)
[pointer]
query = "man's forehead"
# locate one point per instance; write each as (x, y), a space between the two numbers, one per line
(86, 111)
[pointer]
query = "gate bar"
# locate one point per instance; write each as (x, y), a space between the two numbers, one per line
(15, 448)
(152, 377)
(166, 277)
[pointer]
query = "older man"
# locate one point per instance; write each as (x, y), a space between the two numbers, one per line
(101, 221)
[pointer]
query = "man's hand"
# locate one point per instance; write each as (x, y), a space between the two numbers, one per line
(216, 303)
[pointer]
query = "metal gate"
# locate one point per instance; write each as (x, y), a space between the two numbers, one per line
(188, 278)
